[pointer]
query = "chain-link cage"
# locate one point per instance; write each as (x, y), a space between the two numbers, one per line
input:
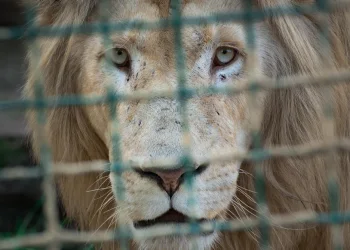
(55, 236)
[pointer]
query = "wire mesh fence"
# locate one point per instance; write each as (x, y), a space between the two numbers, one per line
(54, 236)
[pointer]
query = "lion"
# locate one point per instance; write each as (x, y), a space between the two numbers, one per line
(151, 130)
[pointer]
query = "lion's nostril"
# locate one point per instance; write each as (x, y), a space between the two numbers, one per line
(201, 168)
(169, 180)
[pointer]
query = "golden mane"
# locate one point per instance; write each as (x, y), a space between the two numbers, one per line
(292, 116)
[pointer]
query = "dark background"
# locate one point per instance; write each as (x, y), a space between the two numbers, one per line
(20, 200)
(16, 197)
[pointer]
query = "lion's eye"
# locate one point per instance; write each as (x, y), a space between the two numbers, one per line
(224, 56)
(120, 58)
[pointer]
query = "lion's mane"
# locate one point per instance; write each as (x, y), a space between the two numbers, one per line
(292, 116)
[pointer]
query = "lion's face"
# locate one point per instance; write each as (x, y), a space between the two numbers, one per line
(215, 55)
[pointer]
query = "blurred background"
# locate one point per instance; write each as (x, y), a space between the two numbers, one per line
(20, 200)
(15, 197)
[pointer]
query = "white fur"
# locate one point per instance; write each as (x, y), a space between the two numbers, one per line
(157, 128)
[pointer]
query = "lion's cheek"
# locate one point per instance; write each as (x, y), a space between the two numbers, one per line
(137, 198)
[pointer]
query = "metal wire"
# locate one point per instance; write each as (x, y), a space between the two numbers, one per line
(54, 236)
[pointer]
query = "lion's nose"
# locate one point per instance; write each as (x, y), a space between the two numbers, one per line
(169, 180)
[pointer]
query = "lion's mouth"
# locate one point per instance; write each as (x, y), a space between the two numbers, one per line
(172, 216)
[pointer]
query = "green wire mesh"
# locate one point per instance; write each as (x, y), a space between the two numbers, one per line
(54, 236)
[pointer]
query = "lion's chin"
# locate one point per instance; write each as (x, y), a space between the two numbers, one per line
(178, 242)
